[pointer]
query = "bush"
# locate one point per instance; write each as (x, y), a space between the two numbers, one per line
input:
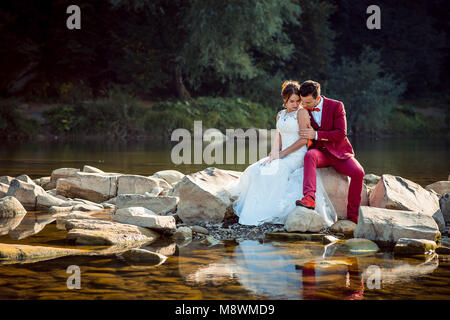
(219, 113)
(13, 126)
(368, 93)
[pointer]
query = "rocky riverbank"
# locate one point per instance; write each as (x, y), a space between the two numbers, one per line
(124, 212)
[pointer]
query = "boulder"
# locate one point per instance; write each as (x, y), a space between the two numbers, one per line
(443, 250)
(371, 180)
(55, 209)
(21, 253)
(90, 169)
(408, 246)
(25, 178)
(6, 179)
(387, 226)
(143, 256)
(49, 185)
(345, 227)
(210, 241)
(45, 201)
(101, 232)
(393, 192)
(358, 246)
(182, 233)
(444, 204)
(95, 187)
(11, 207)
(135, 184)
(44, 180)
(440, 187)
(159, 205)
(336, 185)
(199, 229)
(3, 189)
(304, 220)
(204, 196)
(26, 193)
(143, 217)
(63, 173)
(61, 218)
(171, 176)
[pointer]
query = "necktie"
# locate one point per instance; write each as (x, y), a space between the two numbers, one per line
(315, 109)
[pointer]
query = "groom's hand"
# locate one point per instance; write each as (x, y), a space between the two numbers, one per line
(309, 133)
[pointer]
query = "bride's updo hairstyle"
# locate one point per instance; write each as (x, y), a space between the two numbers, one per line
(289, 88)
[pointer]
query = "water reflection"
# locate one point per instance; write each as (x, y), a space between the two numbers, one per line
(32, 224)
(284, 270)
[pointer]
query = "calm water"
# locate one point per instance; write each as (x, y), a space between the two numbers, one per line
(231, 270)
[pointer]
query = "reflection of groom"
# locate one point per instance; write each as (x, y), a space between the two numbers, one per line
(330, 147)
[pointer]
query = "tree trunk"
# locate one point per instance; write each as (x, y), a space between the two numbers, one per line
(182, 92)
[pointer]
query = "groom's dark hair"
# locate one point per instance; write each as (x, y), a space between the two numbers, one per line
(310, 87)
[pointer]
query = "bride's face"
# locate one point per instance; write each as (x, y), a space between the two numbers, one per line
(293, 102)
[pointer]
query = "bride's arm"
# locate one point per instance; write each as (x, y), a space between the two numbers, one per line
(303, 123)
(276, 144)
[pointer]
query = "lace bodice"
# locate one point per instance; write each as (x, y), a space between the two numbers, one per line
(287, 124)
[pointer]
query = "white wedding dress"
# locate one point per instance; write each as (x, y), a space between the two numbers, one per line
(267, 194)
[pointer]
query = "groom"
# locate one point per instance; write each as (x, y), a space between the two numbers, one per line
(330, 147)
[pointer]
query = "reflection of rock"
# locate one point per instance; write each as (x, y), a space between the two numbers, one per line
(143, 256)
(24, 253)
(143, 217)
(101, 232)
(32, 224)
(388, 226)
(397, 193)
(11, 207)
(159, 205)
(397, 270)
(166, 249)
(304, 220)
(204, 197)
(295, 236)
(8, 224)
(26, 193)
(406, 246)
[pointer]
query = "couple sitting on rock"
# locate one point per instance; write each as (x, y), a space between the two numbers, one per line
(311, 134)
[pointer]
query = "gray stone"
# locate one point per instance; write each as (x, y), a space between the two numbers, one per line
(440, 187)
(182, 233)
(90, 169)
(11, 207)
(26, 193)
(3, 189)
(199, 229)
(6, 179)
(388, 226)
(204, 196)
(143, 217)
(444, 204)
(63, 173)
(358, 246)
(393, 192)
(171, 176)
(101, 232)
(304, 220)
(159, 205)
(135, 184)
(45, 201)
(345, 227)
(25, 178)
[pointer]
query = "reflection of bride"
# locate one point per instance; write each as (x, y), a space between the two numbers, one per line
(267, 190)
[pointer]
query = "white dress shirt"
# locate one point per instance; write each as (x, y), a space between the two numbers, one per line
(317, 115)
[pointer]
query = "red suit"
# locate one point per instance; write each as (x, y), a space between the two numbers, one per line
(332, 148)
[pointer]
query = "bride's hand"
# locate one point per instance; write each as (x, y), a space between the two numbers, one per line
(271, 158)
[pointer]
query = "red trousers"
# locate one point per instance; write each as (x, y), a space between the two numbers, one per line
(319, 158)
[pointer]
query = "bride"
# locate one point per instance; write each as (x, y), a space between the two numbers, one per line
(267, 190)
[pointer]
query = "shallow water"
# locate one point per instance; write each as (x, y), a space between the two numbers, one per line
(246, 270)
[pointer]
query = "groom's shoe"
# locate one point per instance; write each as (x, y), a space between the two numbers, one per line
(307, 202)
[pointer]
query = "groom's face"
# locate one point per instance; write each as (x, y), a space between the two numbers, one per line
(309, 102)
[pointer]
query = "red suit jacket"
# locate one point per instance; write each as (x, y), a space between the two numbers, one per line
(332, 134)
